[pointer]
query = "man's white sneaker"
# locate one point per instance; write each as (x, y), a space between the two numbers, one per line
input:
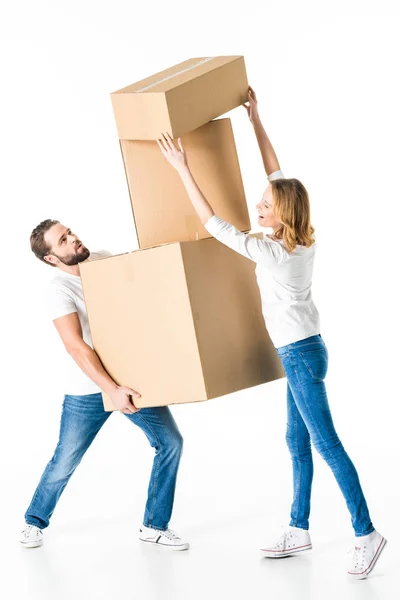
(31, 536)
(166, 539)
(292, 541)
(367, 550)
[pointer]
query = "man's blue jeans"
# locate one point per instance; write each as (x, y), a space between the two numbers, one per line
(309, 418)
(81, 419)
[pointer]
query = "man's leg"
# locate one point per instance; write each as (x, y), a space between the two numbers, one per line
(81, 419)
(163, 434)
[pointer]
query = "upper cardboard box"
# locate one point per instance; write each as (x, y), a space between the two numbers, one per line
(180, 98)
(179, 323)
(161, 207)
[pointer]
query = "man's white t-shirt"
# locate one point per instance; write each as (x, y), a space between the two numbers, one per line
(284, 280)
(65, 296)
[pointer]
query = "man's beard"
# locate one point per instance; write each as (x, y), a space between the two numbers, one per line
(74, 259)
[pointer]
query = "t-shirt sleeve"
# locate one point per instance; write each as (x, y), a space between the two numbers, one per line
(276, 175)
(263, 251)
(60, 301)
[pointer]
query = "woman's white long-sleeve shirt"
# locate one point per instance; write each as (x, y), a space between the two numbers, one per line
(284, 280)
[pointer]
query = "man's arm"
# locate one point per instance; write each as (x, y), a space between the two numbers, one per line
(70, 331)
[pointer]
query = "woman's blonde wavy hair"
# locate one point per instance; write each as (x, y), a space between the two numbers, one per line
(292, 207)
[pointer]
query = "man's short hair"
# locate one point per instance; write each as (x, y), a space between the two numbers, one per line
(38, 244)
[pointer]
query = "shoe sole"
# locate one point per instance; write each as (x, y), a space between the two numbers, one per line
(31, 544)
(369, 569)
(165, 546)
(274, 554)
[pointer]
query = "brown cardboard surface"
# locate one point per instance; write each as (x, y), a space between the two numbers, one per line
(226, 308)
(179, 323)
(181, 98)
(162, 210)
(141, 323)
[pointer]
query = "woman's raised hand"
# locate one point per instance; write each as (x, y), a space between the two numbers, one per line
(175, 156)
(252, 106)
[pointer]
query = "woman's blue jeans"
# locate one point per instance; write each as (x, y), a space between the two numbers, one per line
(309, 420)
(81, 419)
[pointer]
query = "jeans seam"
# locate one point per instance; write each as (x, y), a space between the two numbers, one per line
(304, 360)
(151, 514)
(300, 387)
(298, 454)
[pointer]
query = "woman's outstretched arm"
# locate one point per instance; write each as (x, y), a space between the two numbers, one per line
(177, 158)
(260, 251)
(270, 160)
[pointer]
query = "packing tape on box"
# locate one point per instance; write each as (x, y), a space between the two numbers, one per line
(201, 62)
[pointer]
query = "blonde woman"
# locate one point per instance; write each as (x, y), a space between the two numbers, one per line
(284, 271)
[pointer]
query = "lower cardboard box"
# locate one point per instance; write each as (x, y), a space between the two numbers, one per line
(179, 323)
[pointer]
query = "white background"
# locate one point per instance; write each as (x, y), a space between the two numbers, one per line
(326, 74)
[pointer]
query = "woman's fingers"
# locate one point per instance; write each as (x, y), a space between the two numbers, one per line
(165, 141)
(167, 145)
(169, 141)
(162, 144)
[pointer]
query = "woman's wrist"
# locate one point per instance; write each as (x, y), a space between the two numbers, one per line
(184, 171)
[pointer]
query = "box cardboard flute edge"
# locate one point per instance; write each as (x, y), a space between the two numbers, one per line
(179, 323)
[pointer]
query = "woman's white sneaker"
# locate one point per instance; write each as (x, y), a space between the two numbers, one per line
(166, 539)
(292, 541)
(31, 536)
(367, 550)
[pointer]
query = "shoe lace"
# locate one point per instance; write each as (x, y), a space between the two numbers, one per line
(169, 534)
(28, 528)
(358, 553)
(282, 541)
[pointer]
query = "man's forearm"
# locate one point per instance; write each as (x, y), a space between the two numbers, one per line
(201, 206)
(87, 359)
(269, 157)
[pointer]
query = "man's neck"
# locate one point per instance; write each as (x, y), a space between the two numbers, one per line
(71, 270)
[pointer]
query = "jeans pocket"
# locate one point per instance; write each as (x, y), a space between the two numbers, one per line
(316, 362)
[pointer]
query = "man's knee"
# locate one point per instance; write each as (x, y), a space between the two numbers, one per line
(62, 465)
(174, 443)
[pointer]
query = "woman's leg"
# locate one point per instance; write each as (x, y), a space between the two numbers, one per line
(306, 364)
(299, 444)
